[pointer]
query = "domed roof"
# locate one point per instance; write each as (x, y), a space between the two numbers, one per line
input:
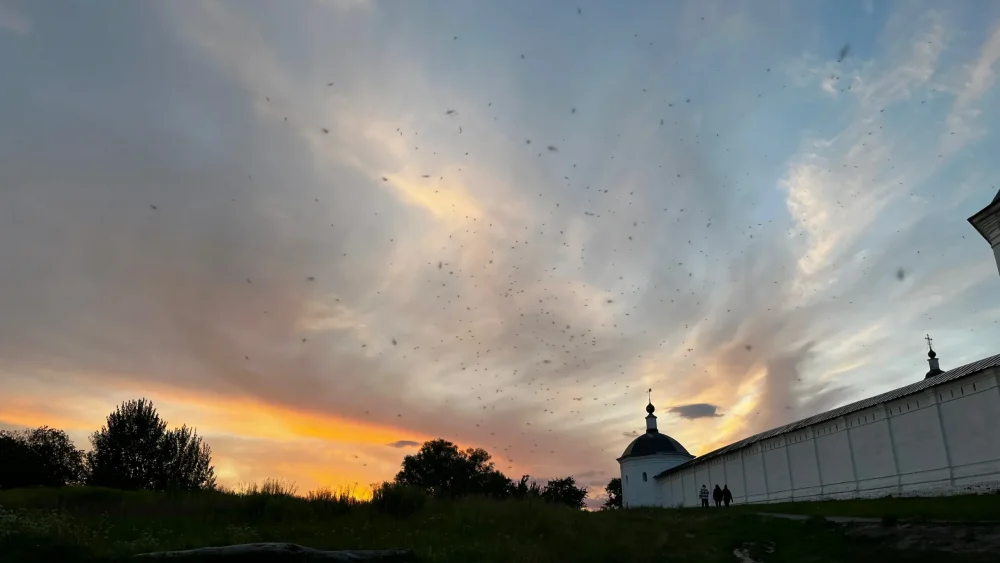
(651, 443)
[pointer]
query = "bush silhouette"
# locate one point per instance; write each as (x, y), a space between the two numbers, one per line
(525, 489)
(397, 499)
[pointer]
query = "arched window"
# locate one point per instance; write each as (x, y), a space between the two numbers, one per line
(643, 476)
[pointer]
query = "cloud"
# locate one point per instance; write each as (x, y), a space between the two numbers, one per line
(13, 21)
(349, 4)
(403, 444)
(964, 122)
(696, 410)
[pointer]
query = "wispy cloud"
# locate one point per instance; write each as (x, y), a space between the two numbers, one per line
(13, 21)
(965, 122)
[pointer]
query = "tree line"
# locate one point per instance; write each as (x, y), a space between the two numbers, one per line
(441, 470)
(134, 450)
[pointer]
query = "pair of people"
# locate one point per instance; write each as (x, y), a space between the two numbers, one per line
(720, 496)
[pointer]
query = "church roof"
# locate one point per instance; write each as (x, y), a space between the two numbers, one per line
(652, 442)
(950, 375)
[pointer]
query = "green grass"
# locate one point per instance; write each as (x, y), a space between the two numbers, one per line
(89, 524)
(965, 508)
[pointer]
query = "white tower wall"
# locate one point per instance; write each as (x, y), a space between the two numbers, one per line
(637, 491)
(987, 222)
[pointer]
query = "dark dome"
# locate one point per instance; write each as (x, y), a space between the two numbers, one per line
(932, 354)
(652, 442)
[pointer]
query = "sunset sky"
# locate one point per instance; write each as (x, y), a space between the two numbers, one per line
(324, 231)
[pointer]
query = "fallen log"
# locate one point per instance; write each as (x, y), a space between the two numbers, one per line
(281, 553)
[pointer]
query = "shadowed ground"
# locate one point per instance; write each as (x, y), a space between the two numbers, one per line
(99, 524)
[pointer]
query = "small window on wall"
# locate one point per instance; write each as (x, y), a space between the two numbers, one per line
(626, 478)
(643, 476)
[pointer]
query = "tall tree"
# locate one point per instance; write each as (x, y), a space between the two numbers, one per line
(614, 490)
(187, 461)
(564, 491)
(134, 450)
(126, 451)
(43, 457)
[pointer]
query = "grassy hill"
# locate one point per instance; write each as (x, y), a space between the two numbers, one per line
(84, 524)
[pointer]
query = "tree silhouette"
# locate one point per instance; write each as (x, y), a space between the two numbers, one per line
(134, 450)
(126, 451)
(614, 490)
(525, 488)
(187, 462)
(564, 491)
(43, 457)
(443, 470)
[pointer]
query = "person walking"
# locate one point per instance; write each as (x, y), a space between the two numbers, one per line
(703, 495)
(727, 495)
(717, 496)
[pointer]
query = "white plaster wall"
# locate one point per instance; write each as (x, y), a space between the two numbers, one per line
(779, 480)
(970, 419)
(690, 488)
(676, 493)
(834, 451)
(734, 476)
(753, 466)
(873, 456)
(716, 474)
(636, 491)
(805, 469)
(917, 436)
(942, 441)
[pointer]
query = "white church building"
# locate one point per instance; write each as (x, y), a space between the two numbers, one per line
(940, 435)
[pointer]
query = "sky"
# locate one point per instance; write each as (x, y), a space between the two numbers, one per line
(322, 232)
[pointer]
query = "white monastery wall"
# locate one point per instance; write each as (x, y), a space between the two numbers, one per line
(689, 495)
(677, 488)
(753, 465)
(941, 440)
(734, 474)
(716, 473)
(834, 457)
(970, 410)
(776, 471)
(802, 459)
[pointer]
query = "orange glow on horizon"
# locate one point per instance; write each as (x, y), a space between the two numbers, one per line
(315, 450)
